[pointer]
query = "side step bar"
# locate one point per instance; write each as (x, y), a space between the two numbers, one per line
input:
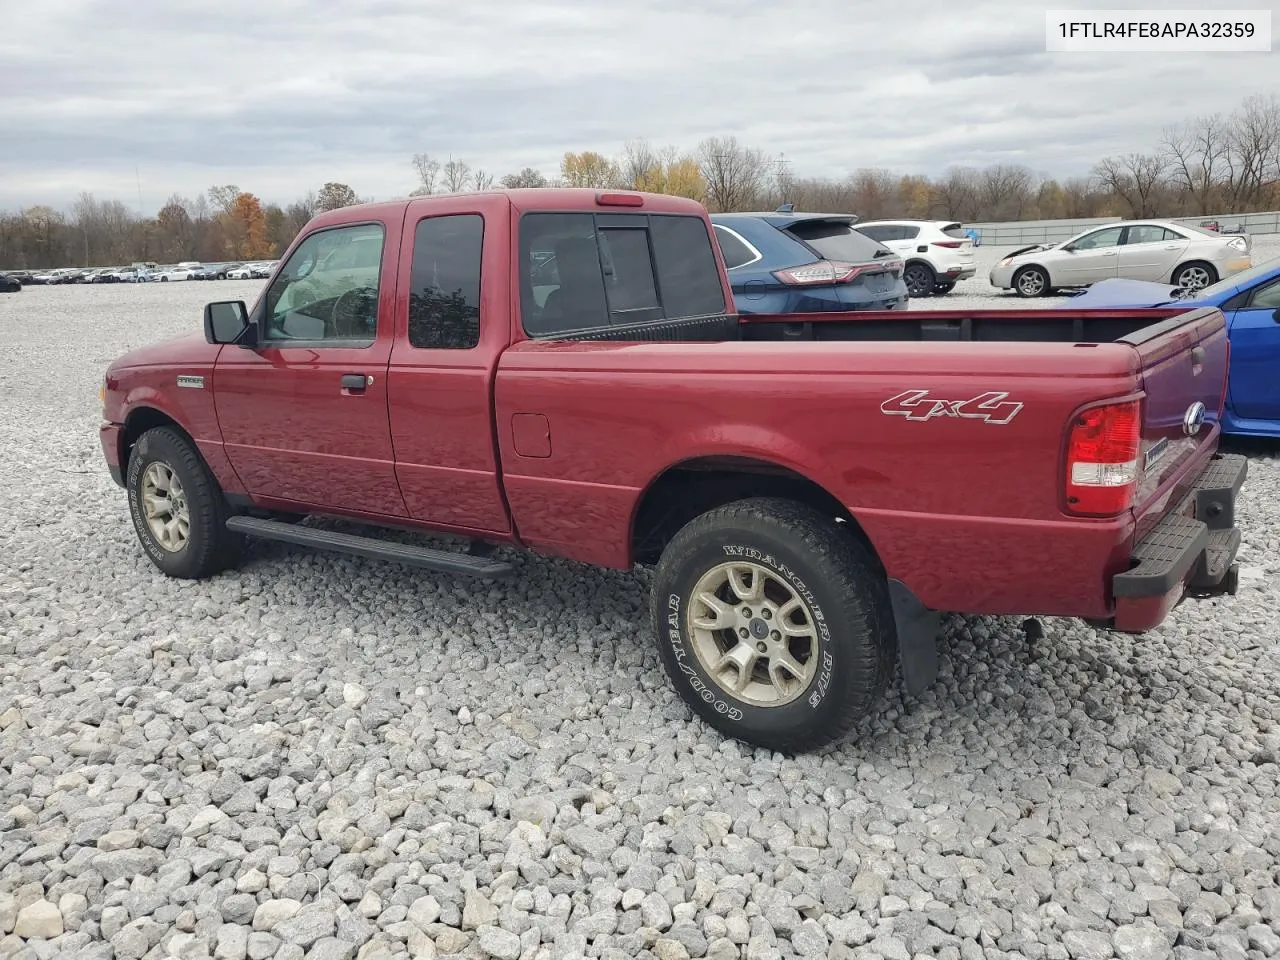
(371, 547)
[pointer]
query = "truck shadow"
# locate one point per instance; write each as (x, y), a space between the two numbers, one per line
(1059, 703)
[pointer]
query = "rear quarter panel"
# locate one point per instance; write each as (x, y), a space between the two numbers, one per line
(965, 510)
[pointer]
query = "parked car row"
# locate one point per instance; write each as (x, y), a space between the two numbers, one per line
(144, 273)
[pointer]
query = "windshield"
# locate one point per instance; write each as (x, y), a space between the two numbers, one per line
(1243, 278)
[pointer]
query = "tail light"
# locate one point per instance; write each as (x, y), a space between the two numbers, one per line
(1102, 459)
(834, 271)
(949, 244)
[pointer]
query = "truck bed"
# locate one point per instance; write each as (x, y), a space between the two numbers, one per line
(1062, 325)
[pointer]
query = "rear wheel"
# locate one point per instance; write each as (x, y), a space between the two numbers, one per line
(1031, 282)
(177, 509)
(773, 624)
(1195, 275)
(920, 279)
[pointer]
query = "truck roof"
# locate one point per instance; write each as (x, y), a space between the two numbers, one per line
(569, 199)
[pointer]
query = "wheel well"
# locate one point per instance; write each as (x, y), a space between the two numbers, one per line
(690, 489)
(139, 422)
(917, 261)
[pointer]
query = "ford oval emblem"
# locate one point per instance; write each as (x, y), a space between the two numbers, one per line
(1193, 419)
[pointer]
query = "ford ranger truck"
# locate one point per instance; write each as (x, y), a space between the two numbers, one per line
(561, 371)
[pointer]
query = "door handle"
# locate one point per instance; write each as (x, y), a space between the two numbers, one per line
(354, 381)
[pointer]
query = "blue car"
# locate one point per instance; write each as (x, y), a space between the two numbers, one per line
(1251, 302)
(787, 262)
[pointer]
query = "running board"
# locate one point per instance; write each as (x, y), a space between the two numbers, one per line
(371, 547)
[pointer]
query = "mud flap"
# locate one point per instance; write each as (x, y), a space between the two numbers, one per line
(917, 628)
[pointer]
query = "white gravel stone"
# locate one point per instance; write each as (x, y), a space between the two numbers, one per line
(194, 759)
(40, 919)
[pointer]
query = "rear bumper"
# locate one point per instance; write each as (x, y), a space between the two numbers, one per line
(1189, 553)
(956, 272)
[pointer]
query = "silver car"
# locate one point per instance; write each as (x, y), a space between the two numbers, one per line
(1157, 250)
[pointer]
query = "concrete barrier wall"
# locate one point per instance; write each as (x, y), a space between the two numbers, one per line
(1024, 232)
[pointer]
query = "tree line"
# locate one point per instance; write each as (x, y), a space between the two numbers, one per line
(1218, 164)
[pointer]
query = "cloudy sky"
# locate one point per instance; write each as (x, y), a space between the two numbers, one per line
(278, 96)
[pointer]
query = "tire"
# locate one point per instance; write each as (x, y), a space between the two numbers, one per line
(839, 593)
(943, 287)
(1195, 275)
(209, 547)
(1031, 282)
(920, 279)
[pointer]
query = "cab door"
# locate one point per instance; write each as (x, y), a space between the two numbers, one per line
(304, 414)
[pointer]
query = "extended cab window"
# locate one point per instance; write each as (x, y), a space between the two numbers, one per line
(328, 288)
(444, 288)
(581, 271)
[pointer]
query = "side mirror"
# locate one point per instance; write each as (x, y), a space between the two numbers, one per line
(225, 321)
(1276, 316)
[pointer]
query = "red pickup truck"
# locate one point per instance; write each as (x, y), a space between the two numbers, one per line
(563, 371)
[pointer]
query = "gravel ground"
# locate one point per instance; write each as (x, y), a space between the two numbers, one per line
(318, 756)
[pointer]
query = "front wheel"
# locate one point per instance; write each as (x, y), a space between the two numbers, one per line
(177, 509)
(1031, 282)
(773, 624)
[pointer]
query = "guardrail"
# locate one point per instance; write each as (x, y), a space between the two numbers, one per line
(1025, 232)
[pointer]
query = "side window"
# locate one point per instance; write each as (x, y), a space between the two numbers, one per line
(444, 286)
(1099, 239)
(328, 289)
(1148, 233)
(907, 232)
(561, 281)
(580, 272)
(735, 252)
(877, 233)
(1266, 298)
(687, 273)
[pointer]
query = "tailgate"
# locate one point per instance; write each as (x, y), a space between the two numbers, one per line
(1184, 377)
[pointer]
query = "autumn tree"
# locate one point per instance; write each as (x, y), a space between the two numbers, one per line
(590, 169)
(245, 227)
(334, 196)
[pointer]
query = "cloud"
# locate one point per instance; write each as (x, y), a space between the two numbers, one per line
(279, 97)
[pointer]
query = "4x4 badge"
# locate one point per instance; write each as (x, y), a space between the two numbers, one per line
(992, 407)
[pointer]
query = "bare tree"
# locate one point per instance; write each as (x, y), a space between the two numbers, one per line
(528, 177)
(1136, 178)
(428, 170)
(734, 174)
(1196, 154)
(457, 174)
(957, 193)
(481, 181)
(1005, 192)
(639, 160)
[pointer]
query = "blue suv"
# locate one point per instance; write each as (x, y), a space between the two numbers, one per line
(788, 262)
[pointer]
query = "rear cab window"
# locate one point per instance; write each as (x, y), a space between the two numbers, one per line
(838, 240)
(586, 271)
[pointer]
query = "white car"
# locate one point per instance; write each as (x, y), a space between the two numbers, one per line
(1159, 251)
(938, 253)
(245, 271)
(183, 271)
